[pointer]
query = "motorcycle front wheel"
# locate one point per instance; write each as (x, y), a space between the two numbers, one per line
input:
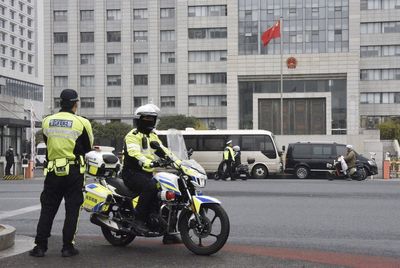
(117, 239)
(207, 236)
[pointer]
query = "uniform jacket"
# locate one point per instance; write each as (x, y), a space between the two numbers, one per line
(67, 135)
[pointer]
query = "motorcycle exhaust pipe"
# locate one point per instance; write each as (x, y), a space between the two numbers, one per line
(105, 222)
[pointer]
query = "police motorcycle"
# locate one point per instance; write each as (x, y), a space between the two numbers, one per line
(202, 222)
(336, 170)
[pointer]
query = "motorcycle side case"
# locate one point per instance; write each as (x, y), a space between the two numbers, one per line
(95, 197)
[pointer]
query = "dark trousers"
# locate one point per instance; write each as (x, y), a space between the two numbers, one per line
(143, 183)
(55, 189)
(8, 167)
(228, 169)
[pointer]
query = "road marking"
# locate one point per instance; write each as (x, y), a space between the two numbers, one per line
(12, 213)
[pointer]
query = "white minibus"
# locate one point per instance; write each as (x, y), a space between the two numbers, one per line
(208, 147)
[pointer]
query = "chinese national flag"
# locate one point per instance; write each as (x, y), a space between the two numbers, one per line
(271, 33)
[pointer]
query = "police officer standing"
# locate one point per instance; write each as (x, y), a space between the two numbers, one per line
(68, 138)
(9, 160)
(229, 158)
(139, 163)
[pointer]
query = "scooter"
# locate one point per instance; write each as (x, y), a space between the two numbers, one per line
(336, 171)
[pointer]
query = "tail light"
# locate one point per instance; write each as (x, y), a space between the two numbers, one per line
(167, 195)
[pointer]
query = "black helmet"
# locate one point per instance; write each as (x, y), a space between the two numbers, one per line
(68, 98)
(69, 95)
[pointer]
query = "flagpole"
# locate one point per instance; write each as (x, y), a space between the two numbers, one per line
(281, 40)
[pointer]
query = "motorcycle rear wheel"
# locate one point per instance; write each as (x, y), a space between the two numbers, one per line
(118, 240)
(205, 241)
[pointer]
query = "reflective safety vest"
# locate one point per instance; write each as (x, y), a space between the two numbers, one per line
(228, 153)
(62, 131)
(138, 154)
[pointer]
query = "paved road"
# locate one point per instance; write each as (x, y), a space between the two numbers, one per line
(279, 223)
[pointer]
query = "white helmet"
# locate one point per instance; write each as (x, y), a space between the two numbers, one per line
(228, 142)
(236, 148)
(348, 146)
(145, 117)
(147, 109)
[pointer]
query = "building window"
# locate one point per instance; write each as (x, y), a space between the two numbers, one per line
(207, 33)
(30, 34)
(57, 103)
(214, 100)
(379, 4)
(30, 69)
(114, 102)
(87, 59)
(60, 37)
(12, 50)
(113, 14)
(87, 81)
(207, 78)
(29, 22)
(21, 30)
(139, 14)
(167, 35)
(167, 57)
(379, 74)
(167, 101)
(60, 15)
(205, 11)
(30, 57)
(167, 79)
(3, 62)
(114, 58)
(21, 67)
(380, 98)
(140, 80)
(87, 102)
(114, 36)
(206, 56)
(140, 36)
(87, 15)
(21, 43)
(140, 58)
(12, 65)
(60, 81)
(30, 46)
(29, 10)
(21, 55)
(167, 13)
(139, 101)
(60, 59)
(113, 80)
(87, 37)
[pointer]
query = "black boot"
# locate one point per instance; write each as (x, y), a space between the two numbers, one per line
(37, 251)
(69, 251)
(169, 239)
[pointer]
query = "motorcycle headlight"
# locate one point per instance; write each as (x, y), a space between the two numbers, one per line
(199, 180)
(372, 163)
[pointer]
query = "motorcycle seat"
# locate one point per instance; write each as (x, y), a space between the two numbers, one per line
(121, 188)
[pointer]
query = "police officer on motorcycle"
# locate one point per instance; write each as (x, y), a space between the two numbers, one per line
(68, 138)
(139, 163)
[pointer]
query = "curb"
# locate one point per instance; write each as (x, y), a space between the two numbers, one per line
(7, 236)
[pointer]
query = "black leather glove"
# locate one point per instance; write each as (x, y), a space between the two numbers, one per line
(154, 164)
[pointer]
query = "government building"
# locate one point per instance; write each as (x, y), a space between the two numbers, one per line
(340, 61)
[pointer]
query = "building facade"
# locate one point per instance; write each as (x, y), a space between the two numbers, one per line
(204, 58)
(21, 87)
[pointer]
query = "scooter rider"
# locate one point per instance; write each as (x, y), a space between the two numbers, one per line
(350, 159)
(68, 138)
(139, 161)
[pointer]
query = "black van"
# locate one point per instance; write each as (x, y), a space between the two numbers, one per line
(306, 158)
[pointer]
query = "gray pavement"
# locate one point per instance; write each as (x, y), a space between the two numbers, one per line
(274, 223)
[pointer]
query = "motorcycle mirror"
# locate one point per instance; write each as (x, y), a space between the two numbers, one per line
(155, 145)
(190, 152)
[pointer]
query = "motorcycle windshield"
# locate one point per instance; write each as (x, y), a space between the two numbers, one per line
(176, 144)
(193, 165)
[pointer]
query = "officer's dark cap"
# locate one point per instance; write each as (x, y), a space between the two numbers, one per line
(69, 95)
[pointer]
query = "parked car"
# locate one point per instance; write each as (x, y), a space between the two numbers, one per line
(306, 158)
